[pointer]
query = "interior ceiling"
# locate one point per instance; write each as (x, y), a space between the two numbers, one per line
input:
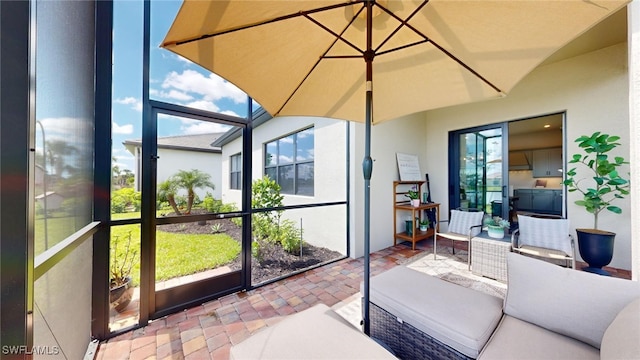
(535, 125)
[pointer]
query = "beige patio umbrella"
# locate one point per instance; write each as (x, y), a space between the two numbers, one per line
(328, 57)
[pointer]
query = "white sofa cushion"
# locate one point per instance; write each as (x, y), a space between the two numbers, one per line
(577, 304)
(459, 317)
(316, 333)
(517, 339)
(622, 338)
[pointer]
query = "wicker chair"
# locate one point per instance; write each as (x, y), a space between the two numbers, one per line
(463, 225)
(544, 237)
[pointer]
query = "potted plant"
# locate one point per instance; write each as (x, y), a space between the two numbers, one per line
(604, 185)
(414, 197)
(121, 264)
(424, 224)
(495, 227)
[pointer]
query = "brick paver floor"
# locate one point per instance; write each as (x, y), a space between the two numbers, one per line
(208, 331)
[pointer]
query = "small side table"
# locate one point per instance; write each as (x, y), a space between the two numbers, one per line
(489, 256)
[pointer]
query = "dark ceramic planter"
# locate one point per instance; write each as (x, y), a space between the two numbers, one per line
(596, 249)
(120, 296)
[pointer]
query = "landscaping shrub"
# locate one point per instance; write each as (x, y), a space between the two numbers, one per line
(269, 226)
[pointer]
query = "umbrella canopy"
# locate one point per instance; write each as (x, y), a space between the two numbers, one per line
(305, 57)
(328, 57)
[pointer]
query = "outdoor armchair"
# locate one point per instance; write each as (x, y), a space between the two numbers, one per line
(547, 238)
(463, 225)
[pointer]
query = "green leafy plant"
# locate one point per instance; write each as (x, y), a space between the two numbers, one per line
(217, 228)
(191, 180)
(268, 226)
(122, 260)
(605, 183)
(412, 194)
(288, 235)
(265, 193)
(424, 222)
(497, 221)
(167, 193)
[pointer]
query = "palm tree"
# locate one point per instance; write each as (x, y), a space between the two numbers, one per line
(167, 192)
(191, 180)
(60, 152)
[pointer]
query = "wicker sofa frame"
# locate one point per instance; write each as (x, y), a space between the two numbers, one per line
(406, 341)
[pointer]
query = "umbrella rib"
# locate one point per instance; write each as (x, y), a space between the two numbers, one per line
(405, 22)
(324, 56)
(461, 63)
(402, 23)
(336, 35)
(404, 47)
(277, 19)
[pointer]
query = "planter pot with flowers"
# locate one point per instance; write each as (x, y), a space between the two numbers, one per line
(495, 227)
(414, 196)
(602, 187)
(121, 263)
(424, 225)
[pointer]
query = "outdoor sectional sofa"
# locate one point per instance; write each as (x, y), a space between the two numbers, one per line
(549, 312)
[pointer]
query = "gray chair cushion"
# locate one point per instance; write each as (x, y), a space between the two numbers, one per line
(459, 317)
(316, 333)
(545, 233)
(461, 221)
(577, 304)
(622, 338)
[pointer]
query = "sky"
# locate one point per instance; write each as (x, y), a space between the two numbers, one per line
(173, 79)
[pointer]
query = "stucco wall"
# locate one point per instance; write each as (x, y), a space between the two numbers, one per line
(404, 135)
(592, 89)
(171, 161)
(323, 226)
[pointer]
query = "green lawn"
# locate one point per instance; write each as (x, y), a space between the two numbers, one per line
(176, 254)
(57, 228)
(180, 254)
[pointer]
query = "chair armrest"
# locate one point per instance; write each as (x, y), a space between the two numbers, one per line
(471, 230)
(514, 238)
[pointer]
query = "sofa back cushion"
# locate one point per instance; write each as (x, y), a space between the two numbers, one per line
(577, 304)
(622, 338)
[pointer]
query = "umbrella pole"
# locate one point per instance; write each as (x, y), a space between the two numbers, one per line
(367, 167)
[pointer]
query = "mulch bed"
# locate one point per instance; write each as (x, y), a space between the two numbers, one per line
(275, 262)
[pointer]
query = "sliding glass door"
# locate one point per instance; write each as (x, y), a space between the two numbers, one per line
(478, 175)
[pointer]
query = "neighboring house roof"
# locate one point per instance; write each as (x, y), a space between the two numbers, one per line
(196, 142)
(260, 117)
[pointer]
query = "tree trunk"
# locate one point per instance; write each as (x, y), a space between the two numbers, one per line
(190, 198)
(172, 202)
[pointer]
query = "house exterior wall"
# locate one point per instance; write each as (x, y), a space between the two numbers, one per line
(403, 135)
(171, 161)
(593, 91)
(323, 226)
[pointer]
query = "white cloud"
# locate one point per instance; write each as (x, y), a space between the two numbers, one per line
(204, 105)
(191, 127)
(65, 128)
(124, 129)
(175, 94)
(211, 88)
(136, 104)
(230, 112)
